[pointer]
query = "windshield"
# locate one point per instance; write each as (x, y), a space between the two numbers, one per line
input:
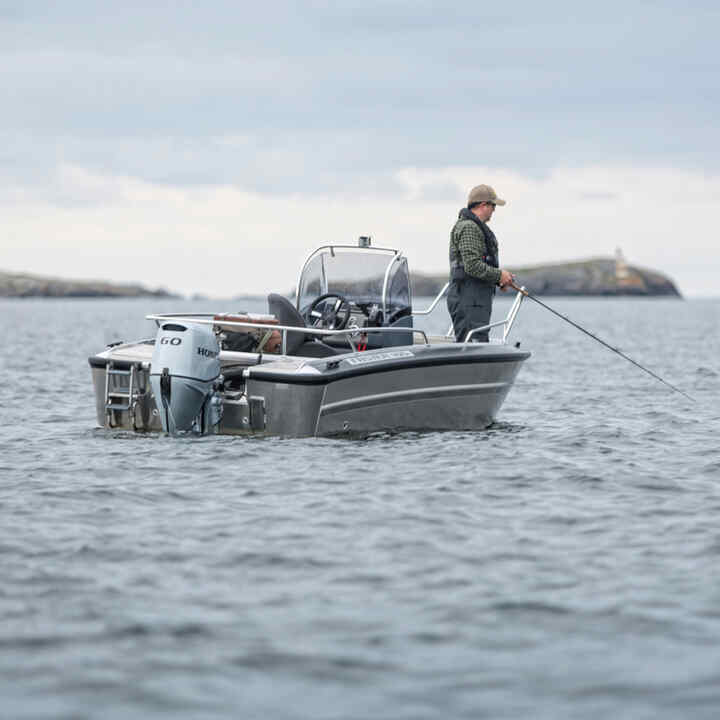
(356, 273)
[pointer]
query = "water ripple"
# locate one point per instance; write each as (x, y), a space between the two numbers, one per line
(560, 564)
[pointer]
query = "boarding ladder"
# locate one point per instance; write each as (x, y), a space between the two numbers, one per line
(118, 396)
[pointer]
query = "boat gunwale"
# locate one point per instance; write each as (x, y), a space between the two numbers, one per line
(330, 375)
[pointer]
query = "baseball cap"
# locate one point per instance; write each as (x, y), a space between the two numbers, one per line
(483, 193)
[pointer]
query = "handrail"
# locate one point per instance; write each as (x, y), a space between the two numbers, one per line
(482, 329)
(507, 322)
(170, 316)
(209, 319)
(514, 309)
(391, 264)
(348, 332)
(427, 311)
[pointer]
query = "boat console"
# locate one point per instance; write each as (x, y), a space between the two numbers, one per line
(357, 286)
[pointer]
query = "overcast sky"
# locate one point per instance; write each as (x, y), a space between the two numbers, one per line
(209, 146)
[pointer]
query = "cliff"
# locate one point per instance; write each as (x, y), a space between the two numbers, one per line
(24, 285)
(595, 277)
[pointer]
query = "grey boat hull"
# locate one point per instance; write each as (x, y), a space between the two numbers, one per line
(420, 387)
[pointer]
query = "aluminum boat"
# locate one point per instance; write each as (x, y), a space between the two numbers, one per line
(343, 358)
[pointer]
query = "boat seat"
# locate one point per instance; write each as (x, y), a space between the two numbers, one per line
(298, 343)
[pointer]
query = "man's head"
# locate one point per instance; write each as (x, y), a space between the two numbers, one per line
(482, 201)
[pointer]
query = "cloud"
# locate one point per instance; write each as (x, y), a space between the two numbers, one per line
(185, 143)
(222, 241)
(330, 95)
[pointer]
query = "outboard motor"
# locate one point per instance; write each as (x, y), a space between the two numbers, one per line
(184, 374)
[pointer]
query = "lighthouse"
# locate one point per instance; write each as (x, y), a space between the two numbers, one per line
(622, 273)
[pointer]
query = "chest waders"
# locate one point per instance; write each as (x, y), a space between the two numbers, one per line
(469, 300)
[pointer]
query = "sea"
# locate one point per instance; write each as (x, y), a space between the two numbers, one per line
(564, 563)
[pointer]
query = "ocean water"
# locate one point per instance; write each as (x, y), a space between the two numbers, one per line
(564, 563)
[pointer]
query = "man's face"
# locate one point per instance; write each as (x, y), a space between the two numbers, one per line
(484, 211)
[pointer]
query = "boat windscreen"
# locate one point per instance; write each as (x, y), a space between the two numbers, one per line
(357, 275)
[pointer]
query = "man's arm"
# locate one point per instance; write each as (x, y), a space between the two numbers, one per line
(471, 246)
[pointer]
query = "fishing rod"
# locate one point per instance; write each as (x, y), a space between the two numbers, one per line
(602, 342)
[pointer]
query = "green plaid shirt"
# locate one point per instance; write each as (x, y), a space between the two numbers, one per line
(468, 247)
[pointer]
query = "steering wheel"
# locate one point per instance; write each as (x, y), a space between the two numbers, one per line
(333, 316)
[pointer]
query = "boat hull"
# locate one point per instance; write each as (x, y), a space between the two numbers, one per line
(414, 388)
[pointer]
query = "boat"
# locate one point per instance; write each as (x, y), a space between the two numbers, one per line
(343, 359)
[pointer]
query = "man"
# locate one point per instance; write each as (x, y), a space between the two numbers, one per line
(474, 266)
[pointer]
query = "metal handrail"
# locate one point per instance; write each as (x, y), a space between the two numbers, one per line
(482, 329)
(514, 309)
(347, 332)
(427, 311)
(171, 316)
(507, 322)
(388, 269)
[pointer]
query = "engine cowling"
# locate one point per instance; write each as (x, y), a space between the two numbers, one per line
(184, 369)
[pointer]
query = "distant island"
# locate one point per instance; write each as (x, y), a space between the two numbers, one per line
(604, 277)
(20, 285)
(594, 277)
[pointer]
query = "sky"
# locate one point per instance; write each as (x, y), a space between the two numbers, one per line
(209, 147)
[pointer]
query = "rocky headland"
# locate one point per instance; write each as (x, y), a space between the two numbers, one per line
(595, 277)
(25, 285)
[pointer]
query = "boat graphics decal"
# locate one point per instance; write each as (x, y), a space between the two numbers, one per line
(379, 357)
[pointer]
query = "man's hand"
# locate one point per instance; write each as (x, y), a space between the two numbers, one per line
(505, 279)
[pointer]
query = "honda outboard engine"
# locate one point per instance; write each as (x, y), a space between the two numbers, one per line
(184, 374)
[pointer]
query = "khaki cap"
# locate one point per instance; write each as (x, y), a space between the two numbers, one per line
(483, 193)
